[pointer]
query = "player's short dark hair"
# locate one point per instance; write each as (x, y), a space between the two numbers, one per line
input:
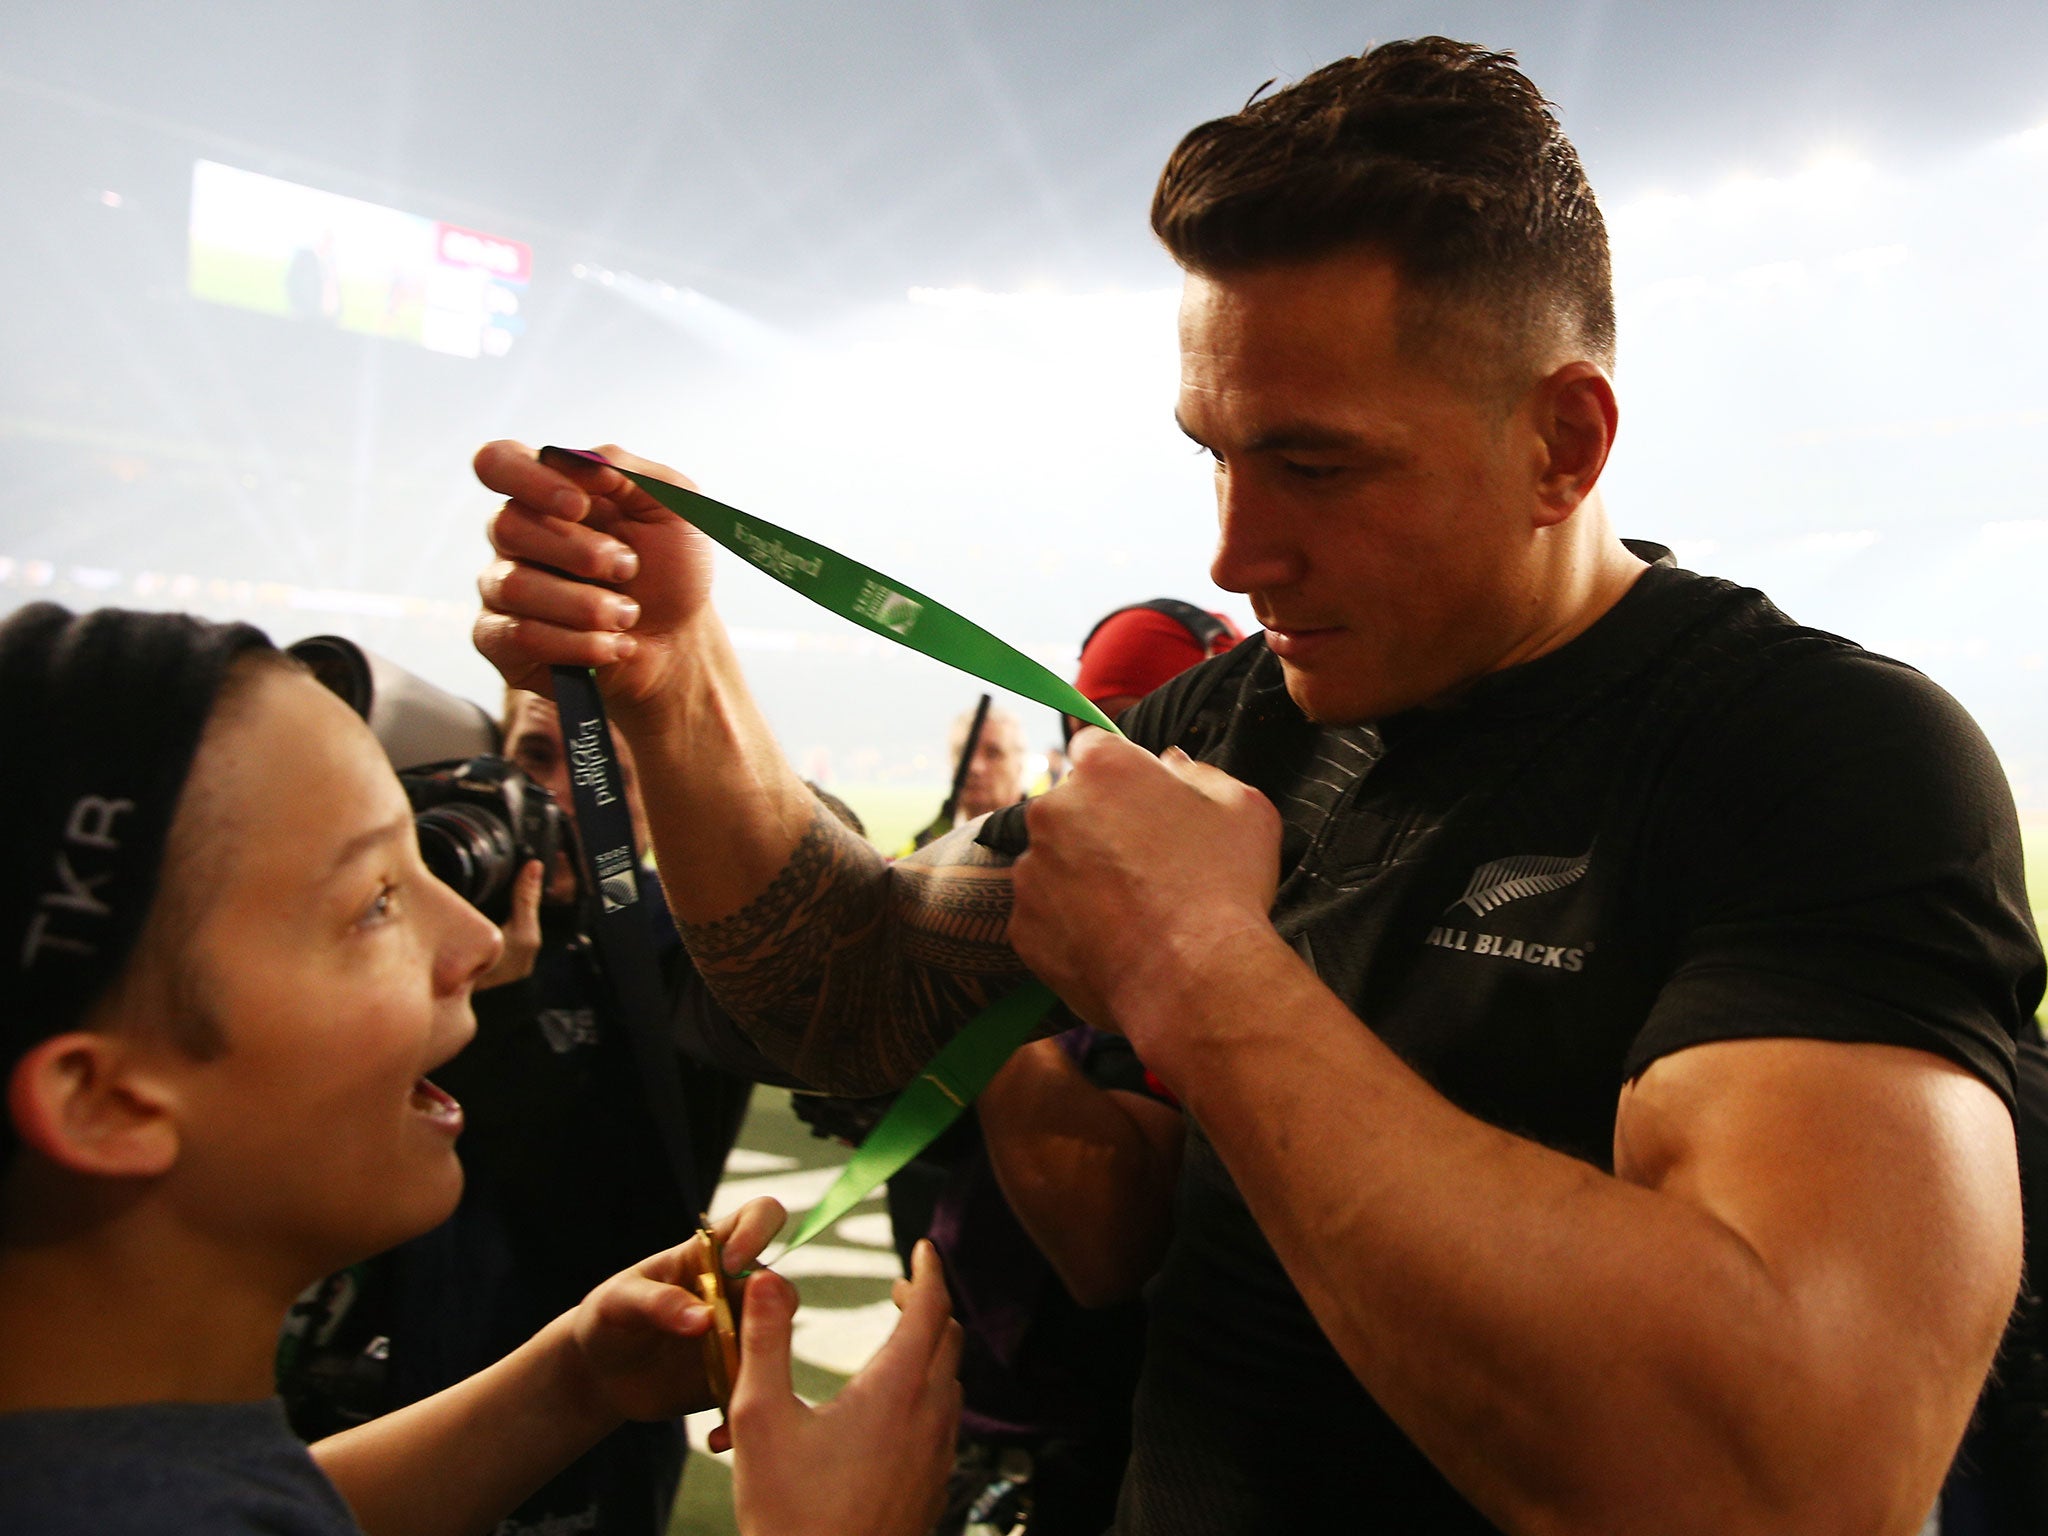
(1437, 154)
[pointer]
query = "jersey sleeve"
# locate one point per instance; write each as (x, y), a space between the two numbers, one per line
(1842, 862)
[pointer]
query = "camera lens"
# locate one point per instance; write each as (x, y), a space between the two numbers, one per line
(469, 848)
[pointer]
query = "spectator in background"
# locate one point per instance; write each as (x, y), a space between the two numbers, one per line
(1133, 650)
(1073, 1148)
(995, 775)
(566, 1180)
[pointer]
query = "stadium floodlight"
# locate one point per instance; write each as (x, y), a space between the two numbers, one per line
(697, 315)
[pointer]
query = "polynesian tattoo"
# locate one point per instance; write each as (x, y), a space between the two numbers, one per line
(851, 972)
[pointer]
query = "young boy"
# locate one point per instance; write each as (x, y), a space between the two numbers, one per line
(224, 976)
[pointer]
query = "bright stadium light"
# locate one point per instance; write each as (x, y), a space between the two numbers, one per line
(697, 315)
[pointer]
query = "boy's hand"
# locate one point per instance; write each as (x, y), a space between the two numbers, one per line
(873, 1461)
(636, 1335)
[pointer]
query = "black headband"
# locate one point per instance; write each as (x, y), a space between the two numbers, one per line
(104, 712)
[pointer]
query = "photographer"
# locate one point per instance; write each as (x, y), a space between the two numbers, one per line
(566, 1177)
(216, 1011)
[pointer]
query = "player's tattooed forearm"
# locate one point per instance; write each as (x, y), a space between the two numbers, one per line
(956, 916)
(852, 973)
(767, 962)
(824, 861)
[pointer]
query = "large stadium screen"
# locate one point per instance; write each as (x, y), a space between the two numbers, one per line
(274, 246)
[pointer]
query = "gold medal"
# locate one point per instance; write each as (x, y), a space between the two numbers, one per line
(721, 1344)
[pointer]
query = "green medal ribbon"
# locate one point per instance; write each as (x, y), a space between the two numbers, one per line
(885, 606)
(875, 602)
(938, 1097)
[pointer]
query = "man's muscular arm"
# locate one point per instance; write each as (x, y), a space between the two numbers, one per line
(906, 952)
(1772, 1317)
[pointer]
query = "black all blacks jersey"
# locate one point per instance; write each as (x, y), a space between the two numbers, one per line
(1697, 821)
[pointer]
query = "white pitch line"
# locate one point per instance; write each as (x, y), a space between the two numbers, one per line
(745, 1160)
(829, 1259)
(842, 1339)
(698, 1427)
(870, 1229)
(798, 1190)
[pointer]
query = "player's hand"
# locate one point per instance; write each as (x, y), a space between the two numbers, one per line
(520, 930)
(638, 1335)
(591, 572)
(1139, 866)
(873, 1461)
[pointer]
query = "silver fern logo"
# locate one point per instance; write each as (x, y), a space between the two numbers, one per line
(1530, 874)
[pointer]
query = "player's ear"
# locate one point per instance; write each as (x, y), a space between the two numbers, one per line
(89, 1103)
(1576, 416)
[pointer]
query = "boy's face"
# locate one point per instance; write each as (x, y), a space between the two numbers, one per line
(337, 972)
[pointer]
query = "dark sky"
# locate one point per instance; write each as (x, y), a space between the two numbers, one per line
(785, 153)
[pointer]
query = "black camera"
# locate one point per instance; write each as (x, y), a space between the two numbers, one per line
(480, 819)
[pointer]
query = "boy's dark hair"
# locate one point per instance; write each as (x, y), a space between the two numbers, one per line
(1438, 154)
(105, 816)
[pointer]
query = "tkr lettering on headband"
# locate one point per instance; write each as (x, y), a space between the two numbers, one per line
(120, 700)
(89, 829)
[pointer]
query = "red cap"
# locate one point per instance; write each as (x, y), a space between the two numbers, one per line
(1138, 649)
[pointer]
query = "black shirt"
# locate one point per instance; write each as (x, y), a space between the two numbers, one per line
(1695, 822)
